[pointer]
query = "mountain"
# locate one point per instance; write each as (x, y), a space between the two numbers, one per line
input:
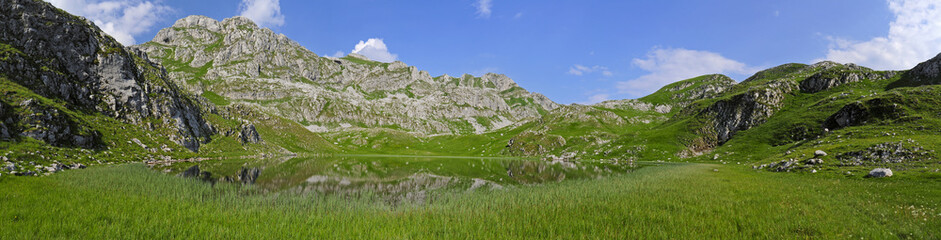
(231, 89)
(71, 94)
(236, 61)
(60, 71)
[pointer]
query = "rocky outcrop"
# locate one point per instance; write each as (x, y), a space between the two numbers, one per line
(722, 119)
(753, 101)
(925, 73)
(63, 57)
(834, 77)
(245, 63)
(858, 113)
(55, 127)
(248, 134)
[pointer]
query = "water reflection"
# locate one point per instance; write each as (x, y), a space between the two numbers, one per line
(396, 178)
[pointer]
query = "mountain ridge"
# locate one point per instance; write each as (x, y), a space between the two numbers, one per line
(238, 61)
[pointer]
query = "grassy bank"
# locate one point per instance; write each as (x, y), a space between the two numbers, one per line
(679, 201)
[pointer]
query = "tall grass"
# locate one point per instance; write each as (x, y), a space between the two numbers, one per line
(675, 201)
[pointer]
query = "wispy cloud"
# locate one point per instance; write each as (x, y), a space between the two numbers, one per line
(122, 19)
(579, 70)
(597, 98)
(668, 65)
(338, 54)
(914, 36)
(483, 8)
(263, 12)
(375, 49)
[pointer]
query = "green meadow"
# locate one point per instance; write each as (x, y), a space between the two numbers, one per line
(670, 200)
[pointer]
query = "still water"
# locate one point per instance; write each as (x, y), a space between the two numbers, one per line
(396, 177)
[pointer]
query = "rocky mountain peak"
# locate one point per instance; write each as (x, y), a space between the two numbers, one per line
(198, 21)
(501, 81)
(237, 61)
(239, 21)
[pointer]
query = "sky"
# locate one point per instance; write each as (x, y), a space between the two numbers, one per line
(583, 51)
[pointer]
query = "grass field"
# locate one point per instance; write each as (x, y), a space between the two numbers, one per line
(677, 201)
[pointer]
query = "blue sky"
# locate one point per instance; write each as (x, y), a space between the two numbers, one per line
(571, 51)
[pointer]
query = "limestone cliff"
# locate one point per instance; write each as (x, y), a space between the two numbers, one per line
(235, 60)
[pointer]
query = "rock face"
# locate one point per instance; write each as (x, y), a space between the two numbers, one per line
(739, 112)
(248, 134)
(54, 127)
(925, 73)
(753, 101)
(63, 57)
(836, 77)
(239, 61)
(880, 172)
(857, 113)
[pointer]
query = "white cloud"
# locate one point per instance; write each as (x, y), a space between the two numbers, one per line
(263, 12)
(122, 19)
(666, 66)
(597, 98)
(483, 8)
(579, 70)
(375, 50)
(338, 54)
(518, 15)
(914, 36)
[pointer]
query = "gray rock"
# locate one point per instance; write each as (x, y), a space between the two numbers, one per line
(820, 153)
(888, 152)
(814, 161)
(836, 76)
(248, 134)
(880, 172)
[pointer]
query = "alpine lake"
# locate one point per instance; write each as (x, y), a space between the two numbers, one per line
(391, 178)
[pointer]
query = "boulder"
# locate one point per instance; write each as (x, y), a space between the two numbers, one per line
(820, 153)
(880, 172)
